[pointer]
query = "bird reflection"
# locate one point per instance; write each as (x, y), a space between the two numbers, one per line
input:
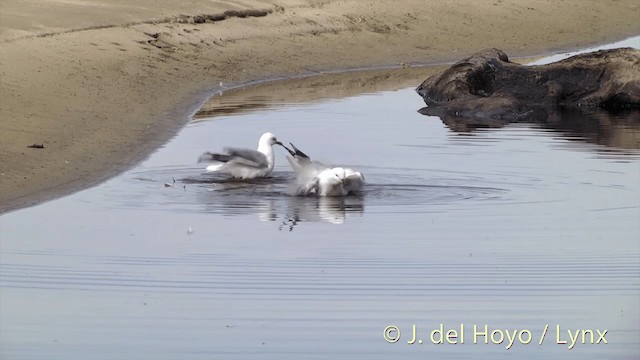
(618, 128)
(320, 210)
(269, 200)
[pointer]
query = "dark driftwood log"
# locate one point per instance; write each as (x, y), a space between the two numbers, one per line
(487, 87)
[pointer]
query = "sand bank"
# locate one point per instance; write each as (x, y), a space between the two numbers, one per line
(101, 84)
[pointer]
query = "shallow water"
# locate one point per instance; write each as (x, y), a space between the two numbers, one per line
(515, 227)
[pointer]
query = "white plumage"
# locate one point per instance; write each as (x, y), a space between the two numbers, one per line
(245, 163)
(315, 178)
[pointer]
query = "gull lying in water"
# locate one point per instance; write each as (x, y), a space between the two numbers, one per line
(245, 163)
(315, 178)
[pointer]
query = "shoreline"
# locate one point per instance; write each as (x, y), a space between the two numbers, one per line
(103, 99)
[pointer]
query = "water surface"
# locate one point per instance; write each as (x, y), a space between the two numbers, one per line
(515, 227)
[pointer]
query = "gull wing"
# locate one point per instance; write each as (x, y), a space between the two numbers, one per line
(247, 157)
(307, 188)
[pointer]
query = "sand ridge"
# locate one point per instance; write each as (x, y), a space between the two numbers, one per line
(101, 84)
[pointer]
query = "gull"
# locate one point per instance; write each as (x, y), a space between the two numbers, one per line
(314, 177)
(245, 163)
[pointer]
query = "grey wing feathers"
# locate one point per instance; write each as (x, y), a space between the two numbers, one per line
(208, 157)
(248, 157)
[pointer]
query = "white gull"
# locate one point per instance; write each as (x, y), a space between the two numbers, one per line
(316, 178)
(245, 163)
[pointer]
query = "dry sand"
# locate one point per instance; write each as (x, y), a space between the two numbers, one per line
(102, 83)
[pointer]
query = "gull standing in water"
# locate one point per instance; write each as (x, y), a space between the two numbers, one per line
(313, 177)
(245, 163)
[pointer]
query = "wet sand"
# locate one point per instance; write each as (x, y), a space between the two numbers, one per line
(102, 84)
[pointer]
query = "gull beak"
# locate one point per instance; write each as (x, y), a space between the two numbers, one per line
(286, 148)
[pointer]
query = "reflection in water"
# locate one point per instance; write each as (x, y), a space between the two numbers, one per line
(620, 129)
(613, 129)
(266, 95)
(321, 209)
(221, 107)
(270, 199)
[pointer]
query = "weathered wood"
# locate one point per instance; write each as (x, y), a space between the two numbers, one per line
(487, 87)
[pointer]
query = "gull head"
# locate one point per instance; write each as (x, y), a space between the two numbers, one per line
(329, 184)
(329, 177)
(268, 139)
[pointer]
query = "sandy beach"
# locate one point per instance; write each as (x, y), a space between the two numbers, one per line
(102, 84)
